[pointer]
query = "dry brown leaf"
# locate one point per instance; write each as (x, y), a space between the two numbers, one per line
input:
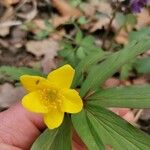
(112, 82)
(143, 19)
(103, 22)
(58, 35)
(40, 48)
(57, 21)
(39, 24)
(145, 115)
(103, 7)
(4, 31)
(139, 81)
(10, 2)
(105, 13)
(88, 9)
(122, 37)
(8, 15)
(15, 94)
(47, 48)
(65, 9)
(29, 15)
(48, 62)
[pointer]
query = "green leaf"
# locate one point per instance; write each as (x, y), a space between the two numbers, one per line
(85, 64)
(14, 73)
(56, 139)
(65, 52)
(120, 17)
(49, 25)
(131, 19)
(88, 43)
(116, 132)
(82, 20)
(142, 65)
(140, 34)
(79, 36)
(80, 53)
(132, 97)
(87, 134)
(41, 35)
(98, 75)
(75, 3)
(125, 70)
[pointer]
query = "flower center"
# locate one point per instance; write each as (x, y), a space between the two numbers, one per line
(51, 98)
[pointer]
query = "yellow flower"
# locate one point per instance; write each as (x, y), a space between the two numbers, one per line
(52, 96)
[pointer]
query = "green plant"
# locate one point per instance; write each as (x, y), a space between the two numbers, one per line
(95, 124)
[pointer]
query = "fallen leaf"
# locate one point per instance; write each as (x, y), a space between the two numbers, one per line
(139, 81)
(29, 15)
(143, 19)
(57, 20)
(145, 115)
(40, 25)
(40, 48)
(102, 17)
(47, 48)
(122, 37)
(102, 22)
(48, 63)
(65, 9)
(102, 7)
(4, 31)
(7, 15)
(10, 2)
(15, 94)
(58, 35)
(112, 82)
(88, 9)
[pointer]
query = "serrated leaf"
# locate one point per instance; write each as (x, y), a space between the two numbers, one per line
(57, 139)
(116, 132)
(107, 68)
(13, 73)
(132, 97)
(142, 65)
(86, 63)
(87, 134)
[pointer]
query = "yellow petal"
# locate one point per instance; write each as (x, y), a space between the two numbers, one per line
(72, 102)
(54, 118)
(62, 77)
(32, 83)
(33, 102)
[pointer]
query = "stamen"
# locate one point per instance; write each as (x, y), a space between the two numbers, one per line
(51, 98)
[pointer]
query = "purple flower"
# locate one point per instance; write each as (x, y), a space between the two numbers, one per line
(137, 5)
